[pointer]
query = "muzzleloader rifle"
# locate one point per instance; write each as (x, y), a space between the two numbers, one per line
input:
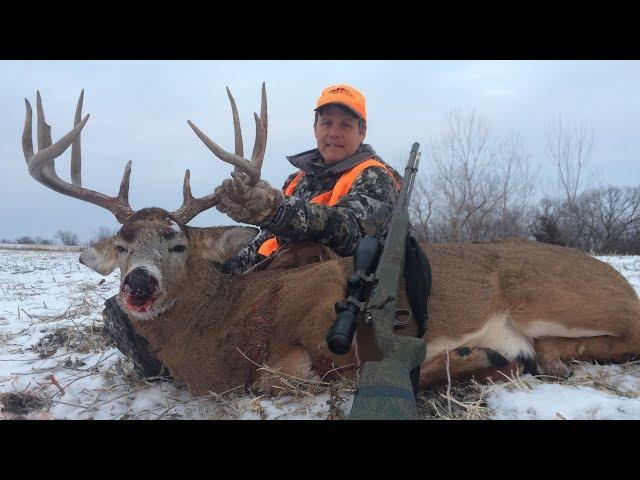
(385, 389)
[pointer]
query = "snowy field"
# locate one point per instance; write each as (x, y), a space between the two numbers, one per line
(55, 364)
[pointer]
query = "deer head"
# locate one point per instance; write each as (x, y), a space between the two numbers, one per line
(154, 248)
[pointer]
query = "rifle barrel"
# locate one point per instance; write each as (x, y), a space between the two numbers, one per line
(409, 174)
(385, 388)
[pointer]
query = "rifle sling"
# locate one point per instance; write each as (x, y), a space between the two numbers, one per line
(417, 276)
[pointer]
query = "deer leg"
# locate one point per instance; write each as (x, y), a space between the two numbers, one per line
(552, 352)
(286, 371)
(465, 362)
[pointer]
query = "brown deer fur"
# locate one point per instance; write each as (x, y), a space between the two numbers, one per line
(516, 298)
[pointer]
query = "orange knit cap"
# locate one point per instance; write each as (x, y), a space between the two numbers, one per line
(345, 95)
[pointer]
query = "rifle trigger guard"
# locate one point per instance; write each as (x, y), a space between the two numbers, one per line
(397, 323)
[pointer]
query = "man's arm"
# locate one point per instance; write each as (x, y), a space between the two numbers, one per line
(364, 210)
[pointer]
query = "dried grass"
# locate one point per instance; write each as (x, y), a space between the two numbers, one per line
(73, 338)
(466, 400)
(301, 387)
(22, 403)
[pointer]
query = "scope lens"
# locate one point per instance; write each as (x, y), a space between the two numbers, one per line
(339, 344)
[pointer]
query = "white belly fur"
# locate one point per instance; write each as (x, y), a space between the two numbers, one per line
(498, 333)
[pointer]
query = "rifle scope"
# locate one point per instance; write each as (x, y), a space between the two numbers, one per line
(365, 260)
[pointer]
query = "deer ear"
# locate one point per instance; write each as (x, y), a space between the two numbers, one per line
(236, 238)
(102, 257)
(219, 243)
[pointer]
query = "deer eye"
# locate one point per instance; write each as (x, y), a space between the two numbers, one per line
(120, 249)
(178, 248)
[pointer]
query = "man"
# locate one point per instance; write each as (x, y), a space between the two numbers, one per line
(341, 192)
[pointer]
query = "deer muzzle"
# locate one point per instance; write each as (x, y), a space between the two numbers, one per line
(139, 290)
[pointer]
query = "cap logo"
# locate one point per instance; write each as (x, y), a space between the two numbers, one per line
(340, 90)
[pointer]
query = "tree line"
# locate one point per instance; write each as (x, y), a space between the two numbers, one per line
(63, 237)
(477, 188)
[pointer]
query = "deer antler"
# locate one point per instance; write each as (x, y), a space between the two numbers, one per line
(193, 206)
(254, 166)
(42, 168)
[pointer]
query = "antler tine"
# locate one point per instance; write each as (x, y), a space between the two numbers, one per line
(259, 148)
(263, 109)
(192, 206)
(251, 168)
(76, 155)
(44, 130)
(260, 145)
(186, 186)
(42, 167)
(27, 135)
(123, 193)
(236, 125)
(223, 154)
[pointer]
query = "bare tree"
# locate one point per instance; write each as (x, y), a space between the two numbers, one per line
(569, 149)
(474, 188)
(25, 240)
(421, 209)
(516, 185)
(608, 214)
(608, 219)
(67, 237)
(463, 184)
(102, 234)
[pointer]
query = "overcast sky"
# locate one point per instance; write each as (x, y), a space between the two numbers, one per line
(139, 111)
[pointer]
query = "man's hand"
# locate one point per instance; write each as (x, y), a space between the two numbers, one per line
(245, 204)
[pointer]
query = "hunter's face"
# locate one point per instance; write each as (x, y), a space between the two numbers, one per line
(338, 135)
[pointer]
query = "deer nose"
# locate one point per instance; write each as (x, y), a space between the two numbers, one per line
(139, 284)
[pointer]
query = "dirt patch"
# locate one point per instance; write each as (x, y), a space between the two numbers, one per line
(21, 403)
(79, 339)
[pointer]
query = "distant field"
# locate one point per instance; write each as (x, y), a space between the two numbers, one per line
(41, 248)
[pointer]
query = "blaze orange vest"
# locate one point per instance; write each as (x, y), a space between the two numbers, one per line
(330, 198)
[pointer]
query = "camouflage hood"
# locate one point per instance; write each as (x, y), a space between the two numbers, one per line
(312, 163)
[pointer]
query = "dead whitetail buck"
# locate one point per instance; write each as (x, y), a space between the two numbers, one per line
(493, 305)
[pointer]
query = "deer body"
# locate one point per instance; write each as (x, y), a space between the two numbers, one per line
(507, 298)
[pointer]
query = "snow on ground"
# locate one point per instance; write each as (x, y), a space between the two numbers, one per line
(55, 363)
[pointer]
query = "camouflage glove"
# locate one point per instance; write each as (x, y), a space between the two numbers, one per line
(246, 204)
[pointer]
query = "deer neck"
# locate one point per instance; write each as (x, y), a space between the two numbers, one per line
(197, 339)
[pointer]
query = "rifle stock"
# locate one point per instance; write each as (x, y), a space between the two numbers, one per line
(385, 389)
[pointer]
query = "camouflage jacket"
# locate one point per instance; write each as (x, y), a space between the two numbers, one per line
(365, 209)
